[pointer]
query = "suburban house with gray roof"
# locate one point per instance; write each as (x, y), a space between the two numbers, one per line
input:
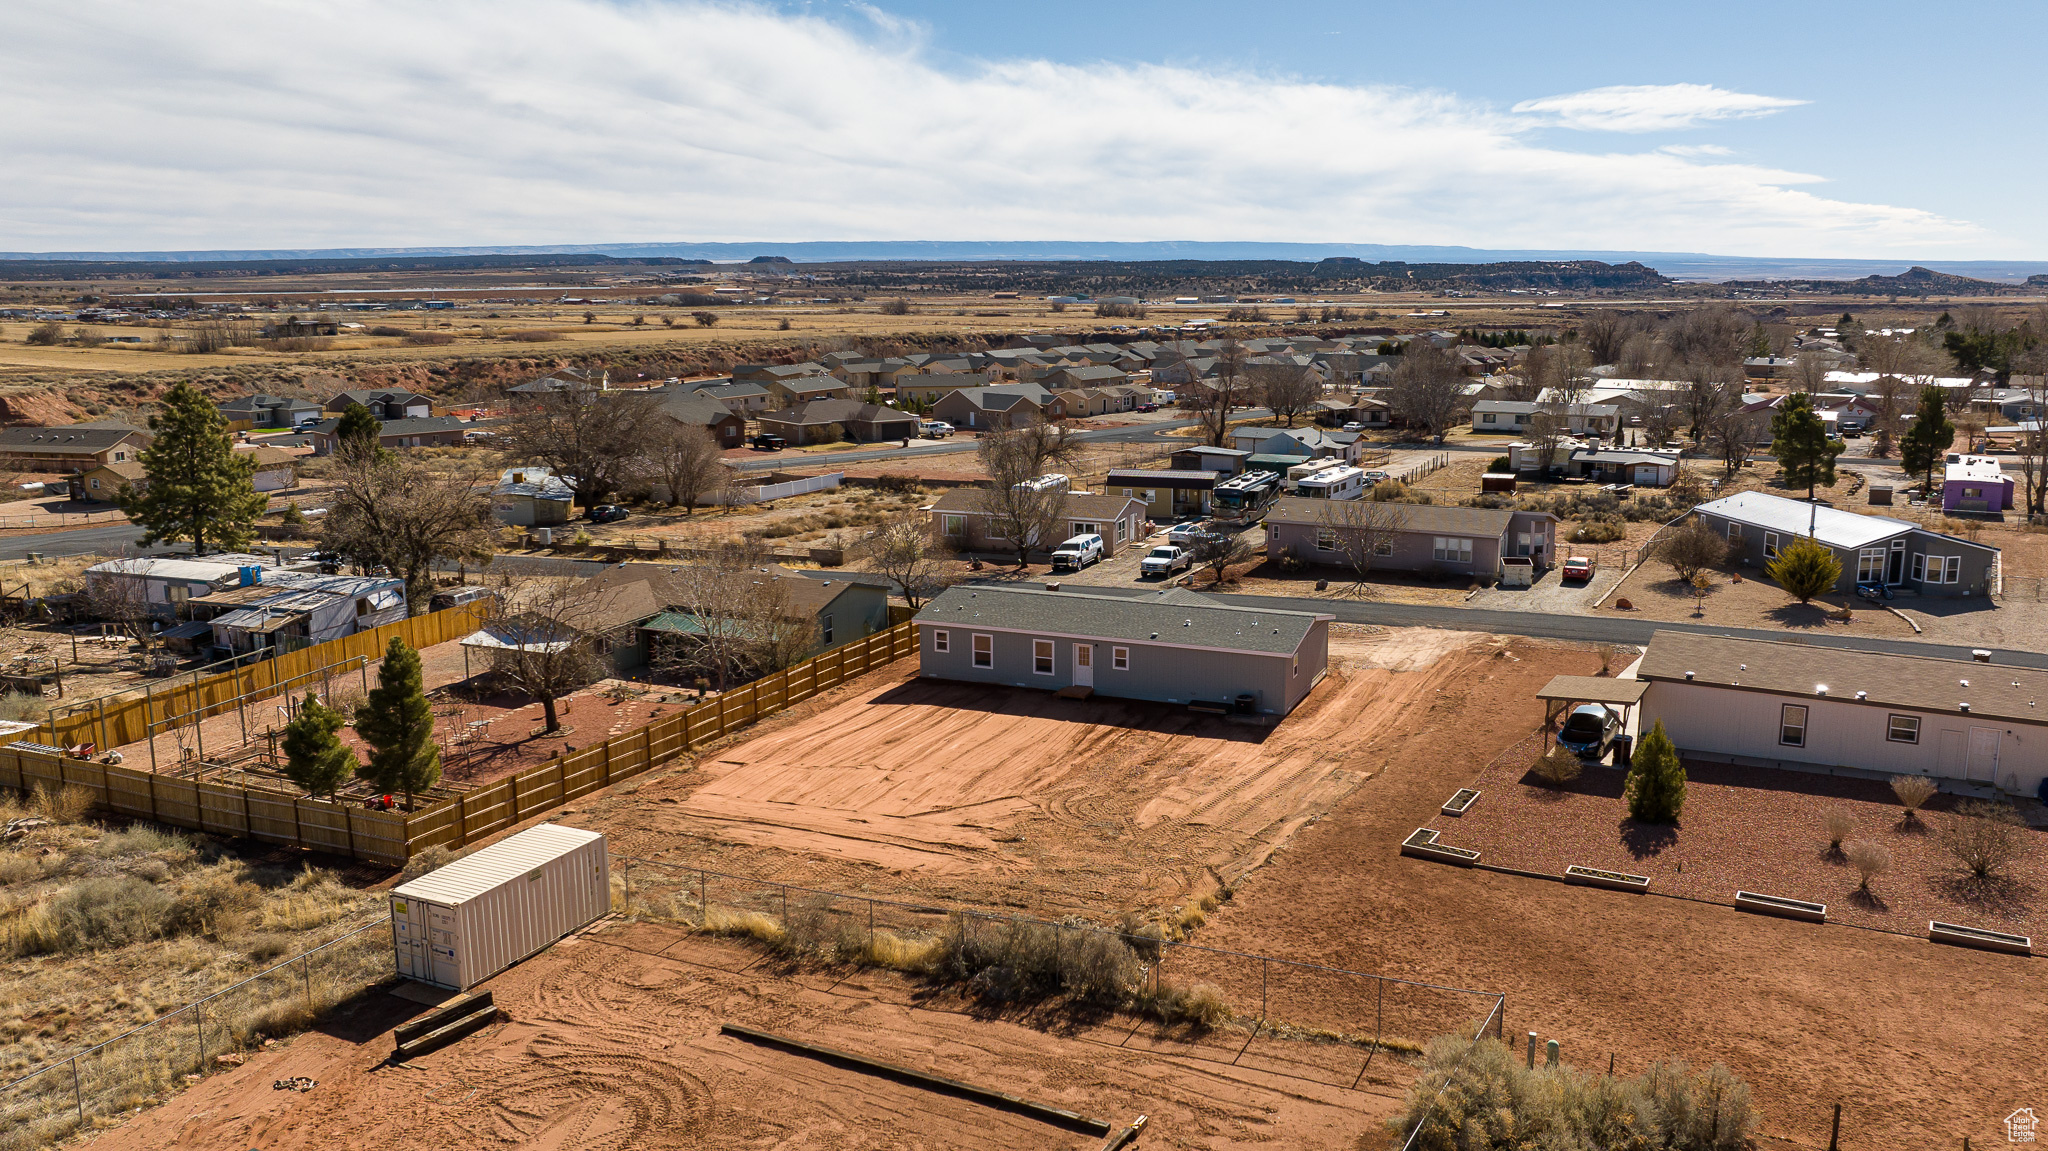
(815, 422)
(248, 413)
(432, 431)
(727, 428)
(76, 448)
(1773, 704)
(1173, 647)
(1418, 537)
(386, 404)
(999, 406)
(1872, 549)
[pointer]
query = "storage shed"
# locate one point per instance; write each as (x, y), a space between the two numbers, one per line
(460, 925)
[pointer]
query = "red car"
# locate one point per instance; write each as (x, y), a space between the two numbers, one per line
(1579, 568)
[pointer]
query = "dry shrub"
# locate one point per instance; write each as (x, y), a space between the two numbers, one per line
(66, 806)
(1869, 859)
(1839, 825)
(533, 336)
(1557, 767)
(1478, 1095)
(1602, 530)
(94, 914)
(429, 339)
(1202, 1005)
(1913, 792)
(429, 859)
(746, 924)
(215, 902)
(1984, 837)
(18, 868)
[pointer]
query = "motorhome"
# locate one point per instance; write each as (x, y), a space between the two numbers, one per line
(1244, 499)
(1051, 481)
(1344, 483)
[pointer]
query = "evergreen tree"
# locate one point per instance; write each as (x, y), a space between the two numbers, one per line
(1806, 456)
(199, 488)
(357, 431)
(1656, 779)
(314, 758)
(398, 725)
(1930, 436)
(1805, 568)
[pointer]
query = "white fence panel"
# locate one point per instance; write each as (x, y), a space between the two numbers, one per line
(782, 491)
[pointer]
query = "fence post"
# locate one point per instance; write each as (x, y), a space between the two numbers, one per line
(77, 1091)
(306, 966)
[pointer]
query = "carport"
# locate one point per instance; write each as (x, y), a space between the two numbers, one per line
(1565, 692)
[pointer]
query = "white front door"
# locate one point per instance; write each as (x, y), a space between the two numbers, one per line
(1984, 754)
(1950, 763)
(1084, 665)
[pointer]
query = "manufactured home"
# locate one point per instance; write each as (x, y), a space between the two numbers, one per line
(1174, 647)
(1872, 549)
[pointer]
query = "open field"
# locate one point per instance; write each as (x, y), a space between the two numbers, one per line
(1008, 797)
(613, 1041)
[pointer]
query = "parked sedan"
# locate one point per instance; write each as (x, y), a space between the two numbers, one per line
(1589, 730)
(1579, 568)
(607, 514)
(1185, 535)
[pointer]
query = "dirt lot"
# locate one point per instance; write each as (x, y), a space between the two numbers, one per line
(613, 1042)
(1754, 829)
(1008, 797)
(1807, 1015)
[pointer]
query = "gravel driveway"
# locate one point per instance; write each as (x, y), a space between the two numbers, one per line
(1550, 593)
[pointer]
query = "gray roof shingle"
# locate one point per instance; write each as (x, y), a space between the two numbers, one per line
(1167, 620)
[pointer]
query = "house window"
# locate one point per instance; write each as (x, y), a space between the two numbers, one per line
(1131, 494)
(177, 593)
(120, 457)
(1297, 664)
(1792, 725)
(95, 485)
(1449, 549)
(1487, 418)
(1122, 530)
(826, 627)
(1955, 570)
(1770, 545)
(1041, 656)
(984, 651)
(1903, 729)
(1383, 547)
(1120, 658)
(942, 641)
(362, 608)
(1870, 565)
(1326, 540)
(1919, 574)
(1083, 529)
(1735, 534)
(956, 525)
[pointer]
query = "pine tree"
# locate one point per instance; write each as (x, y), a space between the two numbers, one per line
(314, 758)
(1656, 779)
(199, 487)
(398, 725)
(1930, 436)
(1806, 456)
(357, 430)
(1805, 568)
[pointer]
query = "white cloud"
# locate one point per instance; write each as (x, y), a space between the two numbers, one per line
(1650, 107)
(1696, 150)
(213, 124)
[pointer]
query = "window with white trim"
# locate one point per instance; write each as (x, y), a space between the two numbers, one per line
(1792, 725)
(1955, 570)
(1122, 530)
(942, 640)
(984, 651)
(1326, 540)
(1770, 545)
(955, 525)
(1041, 657)
(825, 629)
(1383, 547)
(1870, 564)
(1486, 418)
(1120, 659)
(1452, 550)
(1734, 533)
(1919, 567)
(1902, 728)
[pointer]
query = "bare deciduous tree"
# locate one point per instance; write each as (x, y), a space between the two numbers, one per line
(903, 550)
(1218, 552)
(593, 438)
(1691, 548)
(550, 629)
(744, 618)
(1023, 511)
(1733, 435)
(397, 511)
(2032, 442)
(1286, 390)
(685, 459)
(1362, 531)
(1227, 391)
(1428, 390)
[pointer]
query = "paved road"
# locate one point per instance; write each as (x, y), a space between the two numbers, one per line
(965, 443)
(103, 540)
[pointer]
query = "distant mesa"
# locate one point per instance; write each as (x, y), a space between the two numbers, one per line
(771, 260)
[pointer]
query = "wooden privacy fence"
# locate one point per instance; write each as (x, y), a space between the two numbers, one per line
(116, 720)
(216, 808)
(495, 807)
(390, 837)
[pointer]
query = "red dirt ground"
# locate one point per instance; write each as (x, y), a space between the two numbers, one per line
(1923, 1044)
(1753, 829)
(613, 1043)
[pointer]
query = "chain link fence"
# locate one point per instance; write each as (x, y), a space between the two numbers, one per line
(138, 1067)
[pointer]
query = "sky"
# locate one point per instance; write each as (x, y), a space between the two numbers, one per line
(1872, 130)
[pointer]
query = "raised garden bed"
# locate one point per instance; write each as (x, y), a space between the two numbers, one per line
(1978, 937)
(1779, 906)
(1462, 802)
(1422, 844)
(1612, 880)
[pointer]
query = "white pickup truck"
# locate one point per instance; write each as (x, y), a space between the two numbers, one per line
(934, 429)
(1077, 552)
(1165, 560)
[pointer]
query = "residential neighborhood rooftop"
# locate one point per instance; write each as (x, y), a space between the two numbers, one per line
(1171, 617)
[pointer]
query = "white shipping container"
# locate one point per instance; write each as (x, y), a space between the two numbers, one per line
(466, 922)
